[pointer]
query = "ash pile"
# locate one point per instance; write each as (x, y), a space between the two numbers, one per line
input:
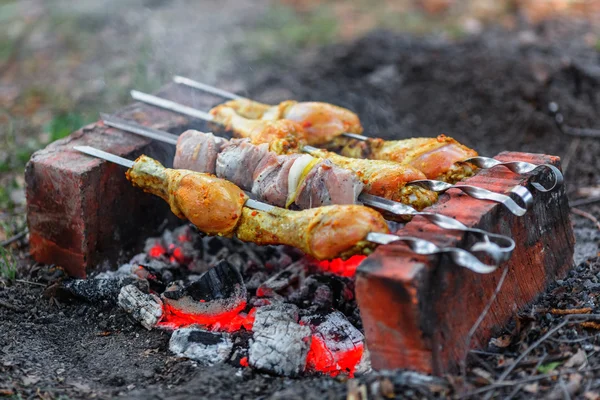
(265, 307)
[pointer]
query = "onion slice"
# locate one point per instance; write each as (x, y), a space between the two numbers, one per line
(298, 172)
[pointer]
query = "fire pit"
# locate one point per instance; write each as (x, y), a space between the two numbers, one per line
(416, 312)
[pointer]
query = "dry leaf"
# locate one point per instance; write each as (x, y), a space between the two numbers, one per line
(501, 341)
(531, 388)
(482, 374)
(591, 396)
(577, 360)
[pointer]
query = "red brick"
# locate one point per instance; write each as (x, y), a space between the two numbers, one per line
(417, 311)
(81, 211)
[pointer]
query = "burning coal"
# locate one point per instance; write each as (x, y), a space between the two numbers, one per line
(264, 307)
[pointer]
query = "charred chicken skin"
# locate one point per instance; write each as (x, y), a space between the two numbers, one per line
(216, 207)
(322, 178)
(319, 122)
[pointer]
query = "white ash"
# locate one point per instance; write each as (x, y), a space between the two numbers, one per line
(207, 348)
(337, 333)
(145, 308)
(279, 344)
(364, 365)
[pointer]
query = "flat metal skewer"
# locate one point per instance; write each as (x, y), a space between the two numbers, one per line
(420, 246)
(170, 105)
(499, 247)
(519, 167)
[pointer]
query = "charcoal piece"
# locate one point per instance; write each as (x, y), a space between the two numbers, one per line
(218, 290)
(364, 365)
(344, 343)
(145, 308)
(279, 344)
(326, 291)
(256, 279)
(207, 348)
(152, 263)
(95, 290)
(281, 282)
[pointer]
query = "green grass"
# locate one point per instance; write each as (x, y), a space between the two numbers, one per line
(62, 125)
(8, 264)
(283, 30)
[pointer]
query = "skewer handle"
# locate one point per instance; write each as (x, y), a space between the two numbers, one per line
(522, 167)
(483, 194)
(423, 247)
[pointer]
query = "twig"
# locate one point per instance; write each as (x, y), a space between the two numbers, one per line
(587, 215)
(584, 202)
(582, 132)
(30, 283)
(499, 385)
(475, 326)
(11, 307)
(511, 367)
(14, 238)
(570, 153)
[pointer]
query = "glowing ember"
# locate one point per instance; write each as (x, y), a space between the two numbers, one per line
(244, 362)
(156, 251)
(342, 267)
(228, 321)
(322, 359)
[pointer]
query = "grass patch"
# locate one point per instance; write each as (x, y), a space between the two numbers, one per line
(61, 126)
(285, 30)
(8, 264)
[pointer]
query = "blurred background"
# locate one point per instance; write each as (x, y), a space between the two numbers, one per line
(62, 62)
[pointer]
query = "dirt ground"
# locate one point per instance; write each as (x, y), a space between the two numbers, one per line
(491, 91)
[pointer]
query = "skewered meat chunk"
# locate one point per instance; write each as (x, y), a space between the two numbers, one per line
(385, 178)
(321, 122)
(259, 131)
(438, 158)
(280, 180)
(198, 155)
(381, 178)
(216, 207)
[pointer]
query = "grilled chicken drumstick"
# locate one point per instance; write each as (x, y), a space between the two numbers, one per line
(400, 187)
(216, 207)
(438, 158)
(309, 182)
(417, 152)
(219, 207)
(320, 122)
(381, 178)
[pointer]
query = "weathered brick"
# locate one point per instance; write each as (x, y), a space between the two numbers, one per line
(417, 311)
(82, 211)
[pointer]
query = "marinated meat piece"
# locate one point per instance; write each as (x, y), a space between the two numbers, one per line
(271, 178)
(438, 158)
(216, 207)
(322, 122)
(327, 184)
(385, 178)
(198, 152)
(259, 131)
(238, 160)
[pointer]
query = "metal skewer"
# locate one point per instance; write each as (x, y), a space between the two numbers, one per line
(437, 186)
(500, 246)
(420, 246)
(519, 167)
(483, 194)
